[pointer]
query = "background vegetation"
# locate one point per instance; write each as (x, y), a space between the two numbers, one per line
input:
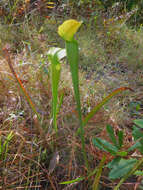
(32, 155)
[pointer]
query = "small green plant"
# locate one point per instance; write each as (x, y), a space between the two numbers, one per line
(122, 166)
(67, 31)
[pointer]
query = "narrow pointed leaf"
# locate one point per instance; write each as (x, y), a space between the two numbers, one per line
(111, 135)
(80, 178)
(120, 138)
(104, 101)
(73, 181)
(105, 145)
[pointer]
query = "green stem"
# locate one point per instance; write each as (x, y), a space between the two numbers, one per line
(98, 174)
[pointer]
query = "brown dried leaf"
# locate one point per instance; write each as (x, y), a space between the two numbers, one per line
(53, 162)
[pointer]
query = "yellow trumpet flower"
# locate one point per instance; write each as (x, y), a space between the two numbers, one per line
(68, 29)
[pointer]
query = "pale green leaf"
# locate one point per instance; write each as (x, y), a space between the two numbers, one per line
(122, 168)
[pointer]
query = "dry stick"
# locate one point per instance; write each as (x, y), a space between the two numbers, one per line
(37, 118)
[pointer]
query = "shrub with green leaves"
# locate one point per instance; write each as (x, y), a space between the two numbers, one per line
(121, 164)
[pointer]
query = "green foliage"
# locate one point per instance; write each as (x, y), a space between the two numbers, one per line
(83, 178)
(10, 9)
(4, 145)
(72, 181)
(119, 166)
(128, 4)
(72, 55)
(98, 174)
(72, 51)
(108, 147)
(112, 135)
(131, 172)
(138, 173)
(138, 135)
(120, 139)
(139, 122)
(105, 146)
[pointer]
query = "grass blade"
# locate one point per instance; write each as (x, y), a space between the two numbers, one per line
(80, 178)
(104, 101)
(98, 174)
(73, 181)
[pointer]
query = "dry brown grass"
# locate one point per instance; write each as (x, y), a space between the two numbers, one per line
(27, 159)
